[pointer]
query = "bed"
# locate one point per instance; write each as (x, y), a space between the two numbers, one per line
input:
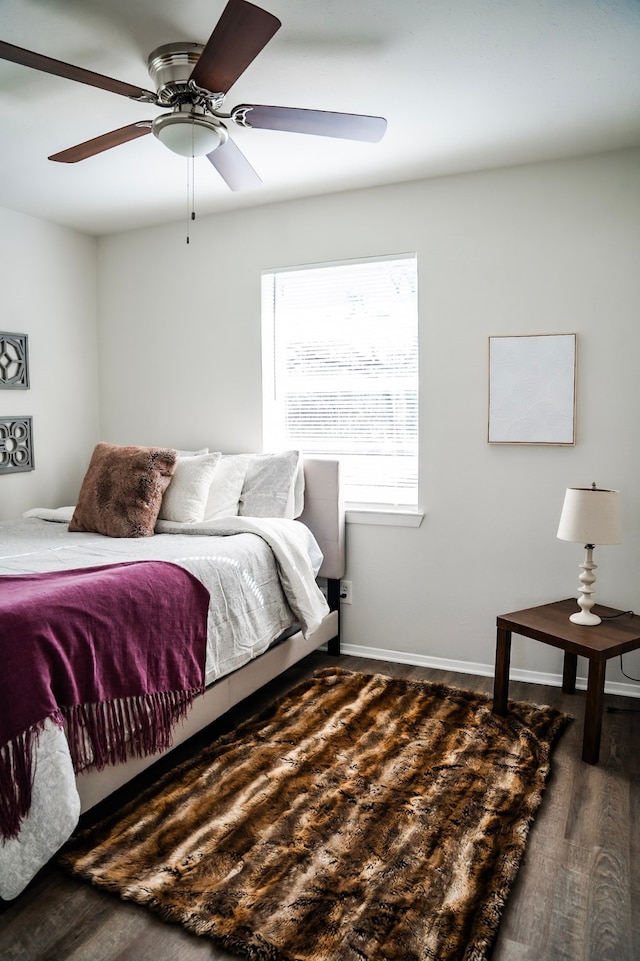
(264, 612)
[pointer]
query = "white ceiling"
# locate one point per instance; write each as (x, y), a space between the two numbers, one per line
(464, 85)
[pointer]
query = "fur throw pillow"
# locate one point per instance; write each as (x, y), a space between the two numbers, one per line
(122, 490)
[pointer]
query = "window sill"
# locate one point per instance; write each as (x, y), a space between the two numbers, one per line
(400, 517)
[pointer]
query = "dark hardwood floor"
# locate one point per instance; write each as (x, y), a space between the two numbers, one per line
(576, 898)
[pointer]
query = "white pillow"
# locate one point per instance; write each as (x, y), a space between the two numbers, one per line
(185, 498)
(192, 453)
(297, 490)
(226, 486)
(269, 485)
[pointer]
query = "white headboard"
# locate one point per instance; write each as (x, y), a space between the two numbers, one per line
(324, 512)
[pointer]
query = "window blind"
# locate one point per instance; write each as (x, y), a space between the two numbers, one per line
(340, 346)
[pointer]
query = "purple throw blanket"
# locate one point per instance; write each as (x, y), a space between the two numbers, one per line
(114, 653)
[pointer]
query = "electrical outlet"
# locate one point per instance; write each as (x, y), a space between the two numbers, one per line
(345, 592)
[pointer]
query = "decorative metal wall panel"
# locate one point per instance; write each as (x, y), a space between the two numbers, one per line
(14, 361)
(16, 444)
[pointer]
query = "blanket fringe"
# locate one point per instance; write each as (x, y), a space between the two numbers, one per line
(108, 732)
(16, 779)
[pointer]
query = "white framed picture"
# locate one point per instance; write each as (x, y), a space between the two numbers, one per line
(532, 389)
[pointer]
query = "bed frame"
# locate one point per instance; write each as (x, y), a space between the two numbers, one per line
(324, 515)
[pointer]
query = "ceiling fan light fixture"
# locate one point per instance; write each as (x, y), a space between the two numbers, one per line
(189, 135)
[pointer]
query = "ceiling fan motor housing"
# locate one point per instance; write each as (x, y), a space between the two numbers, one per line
(170, 67)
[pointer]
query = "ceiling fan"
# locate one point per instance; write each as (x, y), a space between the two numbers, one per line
(192, 80)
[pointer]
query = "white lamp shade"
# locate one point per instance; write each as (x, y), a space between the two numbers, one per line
(590, 516)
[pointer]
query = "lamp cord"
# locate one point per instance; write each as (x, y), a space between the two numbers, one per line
(628, 676)
(622, 710)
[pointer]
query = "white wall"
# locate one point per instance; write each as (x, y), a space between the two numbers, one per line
(547, 248)
(48, 285)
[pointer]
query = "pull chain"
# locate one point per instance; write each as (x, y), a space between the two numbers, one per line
(191, 202)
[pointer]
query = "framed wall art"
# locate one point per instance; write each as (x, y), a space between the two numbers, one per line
(16, 444)
(14, 361)
(532, 389)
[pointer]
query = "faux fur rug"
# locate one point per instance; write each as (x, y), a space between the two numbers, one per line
(360, 818)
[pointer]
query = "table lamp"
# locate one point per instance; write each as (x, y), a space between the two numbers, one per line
(589, 516)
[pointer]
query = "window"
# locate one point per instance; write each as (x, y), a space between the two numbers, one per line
(340, 377)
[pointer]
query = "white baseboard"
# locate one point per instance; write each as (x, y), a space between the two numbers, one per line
(483, 670)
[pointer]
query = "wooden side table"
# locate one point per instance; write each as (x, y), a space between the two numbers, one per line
(550, 624)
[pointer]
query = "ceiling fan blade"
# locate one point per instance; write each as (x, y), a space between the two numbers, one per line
(322, 123)
(240, 34)
(61, 69)
(233, 166)
(112, 139)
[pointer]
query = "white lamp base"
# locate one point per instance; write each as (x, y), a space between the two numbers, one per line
(586, 600)
(585, 617)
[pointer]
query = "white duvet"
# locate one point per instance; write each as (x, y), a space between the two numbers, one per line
(256, 578)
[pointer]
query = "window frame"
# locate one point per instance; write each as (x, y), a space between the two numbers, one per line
(385, 511)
